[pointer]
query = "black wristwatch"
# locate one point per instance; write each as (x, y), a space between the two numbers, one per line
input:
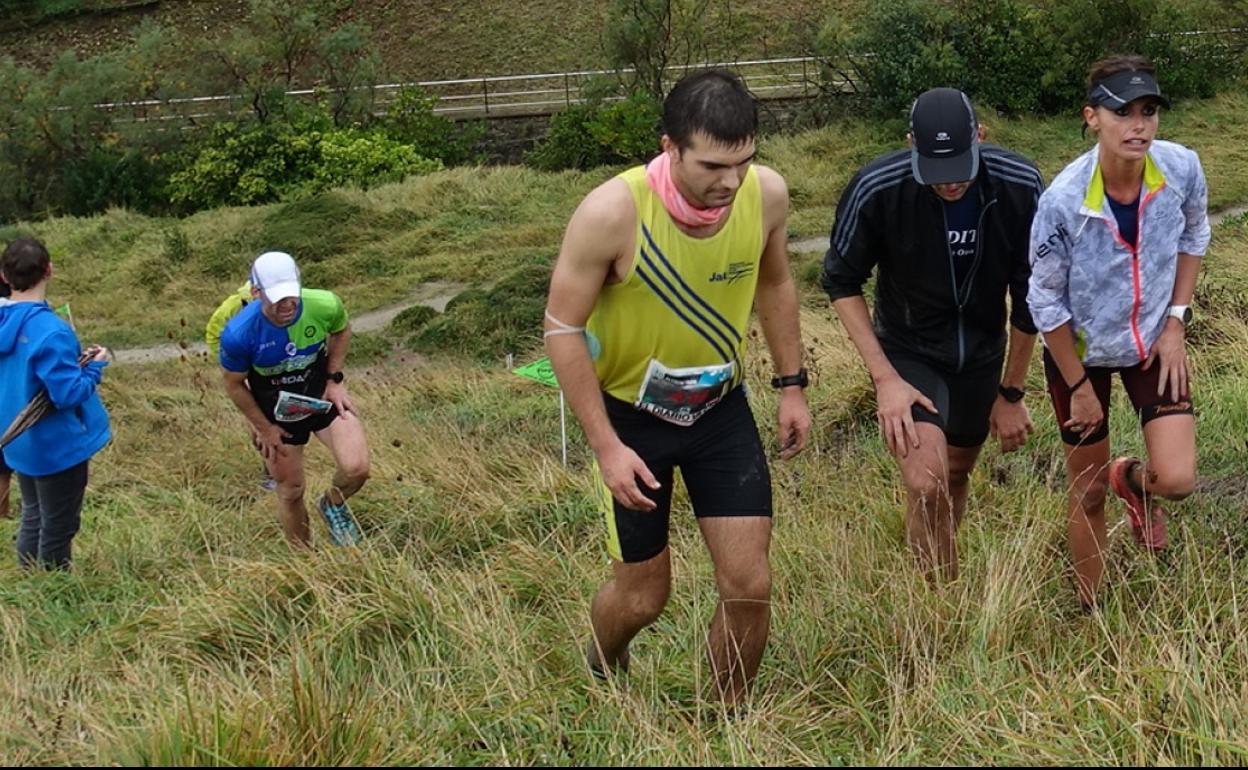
(801, 379)
(1013, 395)
(337, 377)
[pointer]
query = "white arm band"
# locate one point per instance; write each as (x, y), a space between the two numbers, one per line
(560, 327)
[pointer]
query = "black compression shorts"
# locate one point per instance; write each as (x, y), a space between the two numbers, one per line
(721, 460)
(963, 399)
(302, 430)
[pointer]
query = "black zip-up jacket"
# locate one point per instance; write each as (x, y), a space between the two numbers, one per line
(887, 218)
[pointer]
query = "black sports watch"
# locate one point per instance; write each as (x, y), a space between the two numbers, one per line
(801, 379)
(337, 377)
(1011, 394)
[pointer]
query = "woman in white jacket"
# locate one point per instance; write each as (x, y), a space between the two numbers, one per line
(1116, 246)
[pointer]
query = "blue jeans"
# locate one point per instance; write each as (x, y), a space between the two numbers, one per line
(51, 514)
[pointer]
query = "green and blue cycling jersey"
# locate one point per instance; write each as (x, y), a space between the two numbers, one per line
(292, 358)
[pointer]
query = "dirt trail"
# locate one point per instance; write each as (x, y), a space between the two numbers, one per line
(435, 295)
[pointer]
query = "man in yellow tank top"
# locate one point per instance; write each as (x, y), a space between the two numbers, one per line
(646, 326)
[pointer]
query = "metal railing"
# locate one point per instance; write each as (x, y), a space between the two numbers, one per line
(546, 93)
(494, 97)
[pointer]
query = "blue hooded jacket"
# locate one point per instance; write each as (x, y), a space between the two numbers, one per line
(39, 351)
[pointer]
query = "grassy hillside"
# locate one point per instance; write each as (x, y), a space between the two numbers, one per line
(426, 40)
(136, 280)
(189, 634)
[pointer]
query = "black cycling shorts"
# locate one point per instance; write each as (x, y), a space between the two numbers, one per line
(1141, 387)
(721, 460)
(302, 430)
(963, 399)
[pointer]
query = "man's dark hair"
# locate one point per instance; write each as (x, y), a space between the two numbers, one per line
(713, 102)
(24, 263)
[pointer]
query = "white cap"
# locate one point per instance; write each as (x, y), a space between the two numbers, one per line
(275, 274)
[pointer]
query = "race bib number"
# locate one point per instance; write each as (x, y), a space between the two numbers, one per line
(292, 407)
(681, 396)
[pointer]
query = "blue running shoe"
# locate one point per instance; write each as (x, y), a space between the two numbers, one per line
(342, 527)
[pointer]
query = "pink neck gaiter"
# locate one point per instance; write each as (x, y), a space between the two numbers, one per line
(659, 177)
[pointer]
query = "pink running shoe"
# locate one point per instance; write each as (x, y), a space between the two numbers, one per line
(1148, 520)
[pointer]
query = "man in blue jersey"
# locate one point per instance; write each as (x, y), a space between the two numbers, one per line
(283, 360)
(230, 307)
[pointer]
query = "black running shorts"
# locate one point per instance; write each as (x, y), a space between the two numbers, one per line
(963, 399)
(721, 460)
(1141, 387)
(302, 430)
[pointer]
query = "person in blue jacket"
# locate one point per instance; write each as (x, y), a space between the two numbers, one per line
(38, 351)
(6, 473)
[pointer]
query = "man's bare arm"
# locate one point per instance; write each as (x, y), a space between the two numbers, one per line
(776, 302)
(600, 232)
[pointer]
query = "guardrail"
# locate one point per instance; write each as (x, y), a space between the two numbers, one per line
(496, 97)
(543, 94)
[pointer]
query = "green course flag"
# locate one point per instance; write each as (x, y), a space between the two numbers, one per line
(540, 371)
(543, 372)
(64, 312)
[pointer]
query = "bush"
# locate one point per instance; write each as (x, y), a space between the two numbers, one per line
(1079, 32)
(903, 50)
(569, 143)
(1001, 46)
(244, 165)
(364, 160)
(629, 130)
(589, 135)
(410, 118)
(1005, 54)
(112, 176)
(265, 162)
(54, 144)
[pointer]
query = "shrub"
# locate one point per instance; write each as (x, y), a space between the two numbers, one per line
(410, 118)
(364, 160)
(1011, 56)
(629, 130)
(244, 165)
(569, 143)
(597, 134)
(264, 162)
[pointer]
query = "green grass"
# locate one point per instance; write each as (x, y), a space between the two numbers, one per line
(433, 41)
(189, 634)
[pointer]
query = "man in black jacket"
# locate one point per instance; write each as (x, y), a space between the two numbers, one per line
(947, 222)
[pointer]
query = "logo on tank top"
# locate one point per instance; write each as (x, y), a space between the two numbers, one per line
(735, 272)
